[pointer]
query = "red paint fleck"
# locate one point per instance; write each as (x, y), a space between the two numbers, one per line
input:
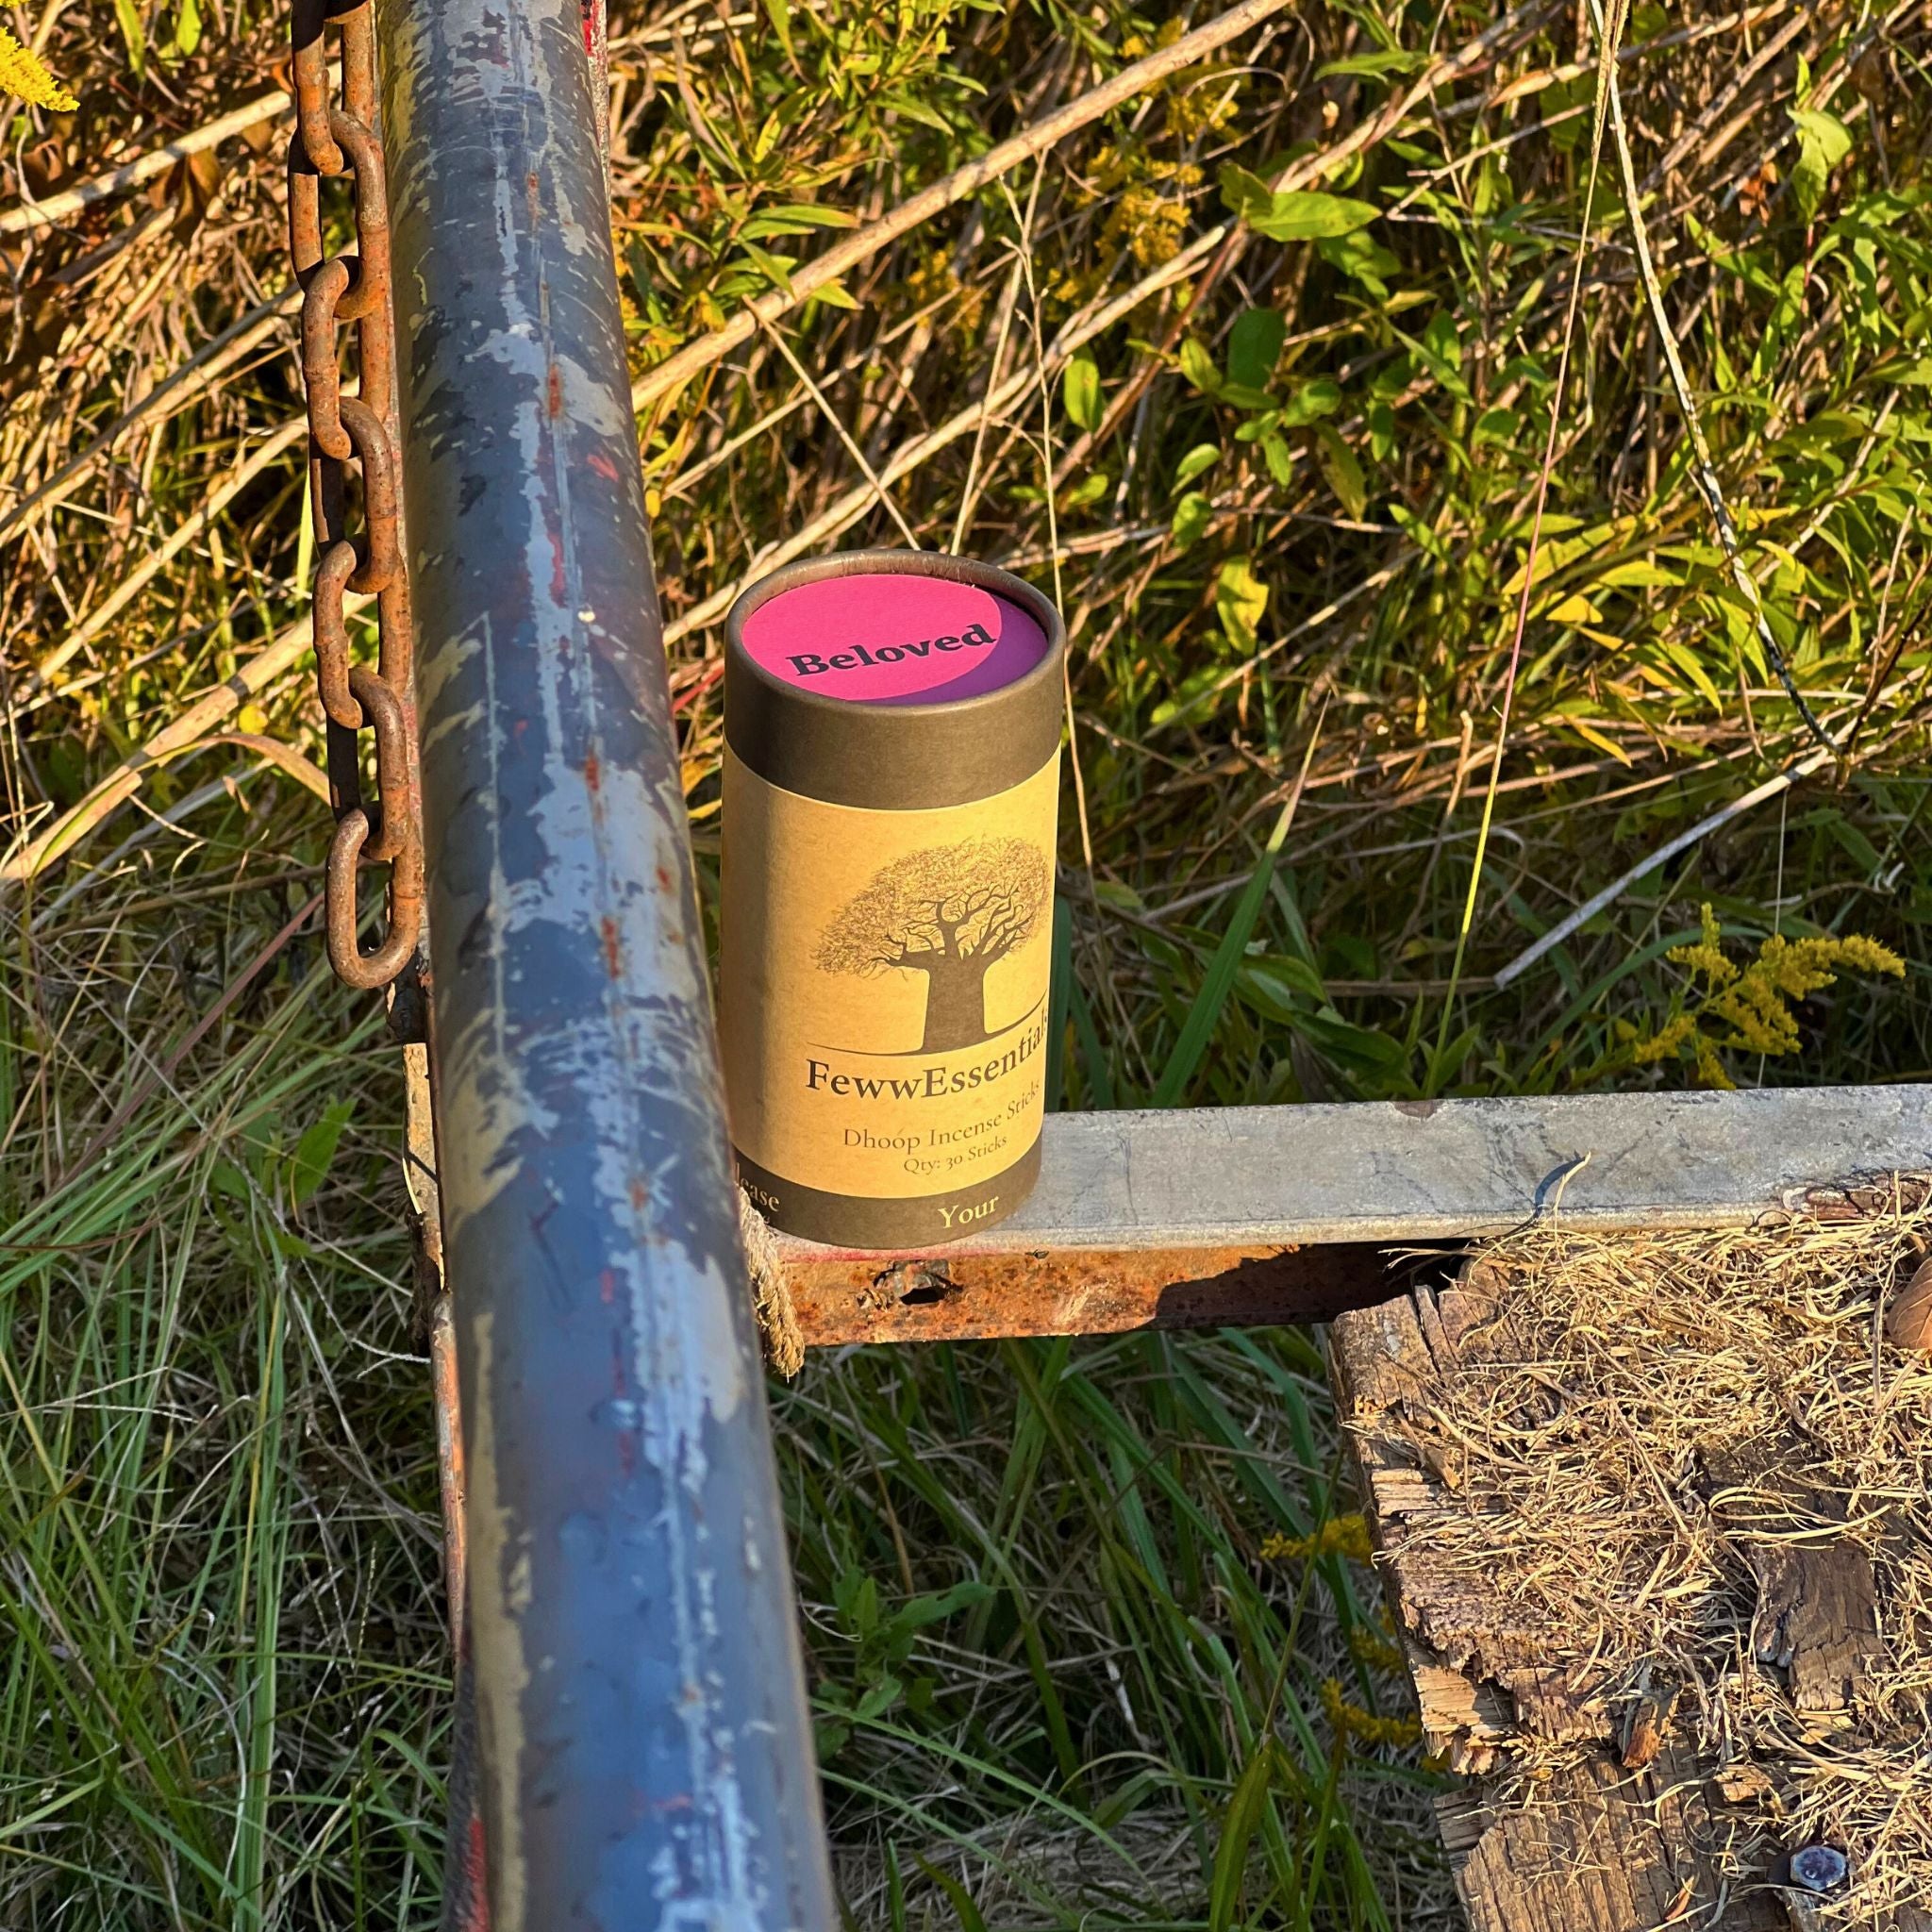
(603, 465)
(555, 390)
(607, 1287)
(614, 946)
(665, 882)
(478, 1917)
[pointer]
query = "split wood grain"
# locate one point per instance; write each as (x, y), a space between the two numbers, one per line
(1640, 1831)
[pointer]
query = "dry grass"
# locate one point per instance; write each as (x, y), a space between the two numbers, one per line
(1639, 1424)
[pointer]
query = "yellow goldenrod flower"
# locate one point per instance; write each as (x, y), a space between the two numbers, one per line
(1711, 1069)
(1350, 1721)
(23, 73)
(1707, 958)
(1371, 1647)
(1751, 1003)
(1342, 1536)
(1666, 1042)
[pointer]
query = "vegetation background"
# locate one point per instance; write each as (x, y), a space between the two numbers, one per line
(1090, 1636)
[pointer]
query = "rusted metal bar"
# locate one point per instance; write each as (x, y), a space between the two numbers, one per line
(1076, 1292)
(643, 1754)
(1236, 1216)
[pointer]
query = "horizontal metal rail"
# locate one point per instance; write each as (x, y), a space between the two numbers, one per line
(643, 1757)
(1248, 1215)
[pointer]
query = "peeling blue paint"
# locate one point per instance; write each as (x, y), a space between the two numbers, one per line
(645, 1759)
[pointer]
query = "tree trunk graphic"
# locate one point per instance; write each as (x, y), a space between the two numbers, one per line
(955, 1003)
(951, 913)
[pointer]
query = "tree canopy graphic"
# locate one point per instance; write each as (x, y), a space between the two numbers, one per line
(952, 912)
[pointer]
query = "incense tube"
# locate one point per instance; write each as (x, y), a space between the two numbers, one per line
(891, 783)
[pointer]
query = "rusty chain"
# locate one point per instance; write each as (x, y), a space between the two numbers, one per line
(334, 140)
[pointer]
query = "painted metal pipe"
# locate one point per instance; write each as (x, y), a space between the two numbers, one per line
(644, 1758)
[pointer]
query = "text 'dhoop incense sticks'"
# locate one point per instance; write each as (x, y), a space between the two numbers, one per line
(891, 776)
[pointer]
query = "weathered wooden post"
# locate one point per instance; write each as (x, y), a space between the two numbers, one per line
(643, 1754)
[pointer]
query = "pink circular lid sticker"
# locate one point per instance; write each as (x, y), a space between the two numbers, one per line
(877, 638)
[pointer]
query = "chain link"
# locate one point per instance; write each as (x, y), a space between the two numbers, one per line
(355, 435)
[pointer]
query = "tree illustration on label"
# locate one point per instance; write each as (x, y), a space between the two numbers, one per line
(952, 912)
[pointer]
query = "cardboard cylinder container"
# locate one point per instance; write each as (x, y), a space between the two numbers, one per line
(891, 781)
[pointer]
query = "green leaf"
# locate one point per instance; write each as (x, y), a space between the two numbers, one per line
(878, 1699)
(315, 1152)
(128, 15)
(1824, 141)
(224, 1177)
(958, 1897)
(187, 26)
(1362, 257)
(1358, 1050)
(1197, 365)
(900, 102)
(794, 217)
(776, 267)
(1278, 987)
(857, 1597)
(1319, 398)
(1343, 473)
(1204, 456)
(1393, 60)
(942, 1604)
(1277, 456)
(1561, 104)
(1497, 425)
(1245, 194)
(1198, 1029)
(1191, 516)
(1080, 390)
(1237, 1829)
(1297, 215)
(1253, 347)
(779, 14)
(1239, 598)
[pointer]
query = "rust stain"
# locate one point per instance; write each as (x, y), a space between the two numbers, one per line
(665, 882)
(968, 1296)
(554, 391)
(593, 773)
(613, 945)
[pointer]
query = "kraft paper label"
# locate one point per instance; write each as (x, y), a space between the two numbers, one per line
(883, 999)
